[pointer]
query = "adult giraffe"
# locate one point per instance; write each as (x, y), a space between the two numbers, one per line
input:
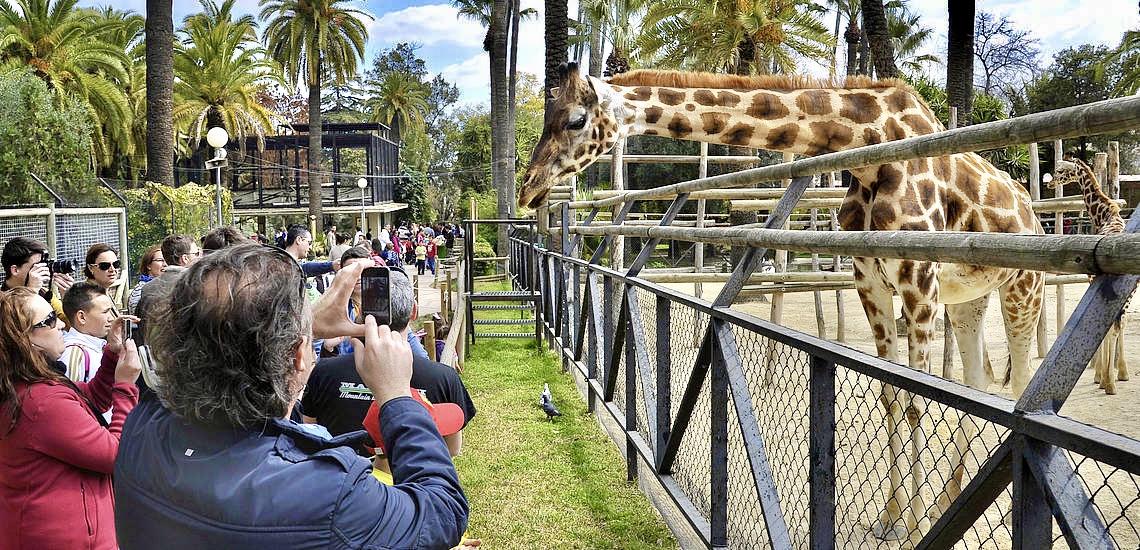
(959, 192)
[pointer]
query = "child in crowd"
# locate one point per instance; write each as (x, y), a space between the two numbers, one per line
(421, 258)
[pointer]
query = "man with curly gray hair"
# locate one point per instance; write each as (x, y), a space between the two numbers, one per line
(213, 462)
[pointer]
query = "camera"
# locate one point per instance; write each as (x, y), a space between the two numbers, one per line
(65, 267)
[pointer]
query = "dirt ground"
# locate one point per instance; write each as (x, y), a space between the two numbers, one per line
(863, 455)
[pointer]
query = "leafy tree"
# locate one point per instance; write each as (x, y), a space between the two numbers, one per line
(43, 134)
(124, 31)
(344, 102)
(308, 38)
(1075, 77)
(1005, 54)
(64, 46)
(402, 58)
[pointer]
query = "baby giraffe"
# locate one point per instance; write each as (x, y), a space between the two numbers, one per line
(1105, 216)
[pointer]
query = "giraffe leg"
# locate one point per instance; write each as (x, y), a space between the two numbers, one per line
(968, 322)
(1121, 363)
(1020, 308)
(878, 304)
(1107, 361)
(920, 301)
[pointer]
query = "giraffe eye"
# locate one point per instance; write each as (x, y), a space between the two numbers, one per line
(577, 123)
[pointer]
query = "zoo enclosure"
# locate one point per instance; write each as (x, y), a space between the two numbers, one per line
(805, 435)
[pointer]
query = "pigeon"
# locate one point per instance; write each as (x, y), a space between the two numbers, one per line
(547, 403)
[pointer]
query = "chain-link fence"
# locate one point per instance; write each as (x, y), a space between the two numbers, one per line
(914, 460)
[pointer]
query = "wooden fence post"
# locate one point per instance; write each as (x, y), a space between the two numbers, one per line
(1035, 194)
(1058, 152)
(1113, 184)
(429, 340)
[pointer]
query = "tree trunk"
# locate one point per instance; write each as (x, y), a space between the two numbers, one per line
(502, 136)
(852, 37)
(315, 148)
(597, 47)
(556, 31)
(883, 52)
(864, 55)
(835, 49)
(515, 11)
(960, 59)
(159, 91)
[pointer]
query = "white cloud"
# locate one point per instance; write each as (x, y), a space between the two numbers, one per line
(428, 25)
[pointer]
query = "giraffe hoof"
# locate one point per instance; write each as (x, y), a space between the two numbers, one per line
(894, 531)
(1122, 378)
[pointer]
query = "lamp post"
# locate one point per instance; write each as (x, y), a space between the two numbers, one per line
(217, 138)
(362, 183)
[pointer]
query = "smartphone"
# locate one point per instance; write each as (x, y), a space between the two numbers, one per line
(128, 330)
(375, 294)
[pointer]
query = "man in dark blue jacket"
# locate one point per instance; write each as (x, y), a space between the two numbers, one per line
(214, 462)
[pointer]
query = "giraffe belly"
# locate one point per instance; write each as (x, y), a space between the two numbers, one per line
(960, 283)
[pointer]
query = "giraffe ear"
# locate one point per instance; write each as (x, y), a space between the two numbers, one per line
(555, 92)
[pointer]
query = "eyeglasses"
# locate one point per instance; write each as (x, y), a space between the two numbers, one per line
(104, 266)
(48, 322)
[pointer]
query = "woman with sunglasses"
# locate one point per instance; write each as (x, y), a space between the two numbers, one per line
(56, 451)
(150, 266)
(103, 266)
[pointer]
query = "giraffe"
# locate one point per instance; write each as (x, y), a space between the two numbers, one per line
(1106, 220)
(959, 192)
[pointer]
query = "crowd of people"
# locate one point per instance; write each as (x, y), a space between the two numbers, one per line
(234, 398)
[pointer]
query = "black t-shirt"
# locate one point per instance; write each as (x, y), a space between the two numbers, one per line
(338, 399)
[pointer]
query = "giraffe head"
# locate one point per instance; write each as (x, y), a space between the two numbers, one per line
(581, 124)
(1069, 170)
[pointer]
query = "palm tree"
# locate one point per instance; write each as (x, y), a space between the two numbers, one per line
(399, 100)
(618, 21)
(159, 91)
(908, 37)
(65, 47)
(124, 31)
(307, 37)
(556, 37)
(1127, 57)
(740, 36)
(220, 69)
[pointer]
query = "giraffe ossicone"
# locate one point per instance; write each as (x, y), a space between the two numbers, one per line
(960, 192)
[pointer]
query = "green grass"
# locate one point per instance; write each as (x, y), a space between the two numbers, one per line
(538, 484)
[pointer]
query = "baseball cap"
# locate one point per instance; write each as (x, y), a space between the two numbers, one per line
(448, 417)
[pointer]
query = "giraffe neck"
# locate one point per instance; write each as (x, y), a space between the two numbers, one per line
(1101, 208)
(808, 121)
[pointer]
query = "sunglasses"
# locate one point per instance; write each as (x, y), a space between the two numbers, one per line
(48, 322)
(104, 266)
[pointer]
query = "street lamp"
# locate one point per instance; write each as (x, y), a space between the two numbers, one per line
(217, 138)
(362, 183)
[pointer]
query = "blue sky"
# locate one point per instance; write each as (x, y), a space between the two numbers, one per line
(454, 46)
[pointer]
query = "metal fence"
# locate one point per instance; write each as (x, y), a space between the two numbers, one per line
(764, 436)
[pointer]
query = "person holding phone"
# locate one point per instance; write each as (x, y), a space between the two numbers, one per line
(56, 450)
(210, 462)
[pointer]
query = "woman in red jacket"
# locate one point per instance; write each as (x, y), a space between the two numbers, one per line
(56, 451)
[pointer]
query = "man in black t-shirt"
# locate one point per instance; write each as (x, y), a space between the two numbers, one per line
(337, 399)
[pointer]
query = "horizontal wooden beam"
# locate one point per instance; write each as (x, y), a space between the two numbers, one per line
(737, 194)
(681, 159)
(1090, 254)
(1109, 116)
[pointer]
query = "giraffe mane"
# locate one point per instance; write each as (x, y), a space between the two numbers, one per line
(685, 79)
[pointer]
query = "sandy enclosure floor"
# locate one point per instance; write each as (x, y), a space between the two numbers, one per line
(778, 387)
